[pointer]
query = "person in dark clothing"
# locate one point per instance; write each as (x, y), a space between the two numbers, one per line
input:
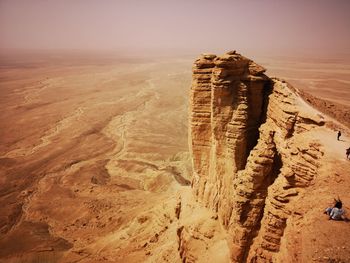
(339, 134)
(348, 153)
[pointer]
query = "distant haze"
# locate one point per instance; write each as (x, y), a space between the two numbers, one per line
(321, 26)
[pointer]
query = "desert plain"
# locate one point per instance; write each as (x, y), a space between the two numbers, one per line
(94, 158)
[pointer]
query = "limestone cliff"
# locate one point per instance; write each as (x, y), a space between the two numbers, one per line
(250, 160)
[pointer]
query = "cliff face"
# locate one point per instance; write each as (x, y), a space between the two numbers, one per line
(250, 157)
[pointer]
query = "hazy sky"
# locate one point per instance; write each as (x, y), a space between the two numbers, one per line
(192, 25)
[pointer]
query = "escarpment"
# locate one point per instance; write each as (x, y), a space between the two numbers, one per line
(249, 159)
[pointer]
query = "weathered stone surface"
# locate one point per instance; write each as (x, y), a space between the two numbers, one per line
(248, 160)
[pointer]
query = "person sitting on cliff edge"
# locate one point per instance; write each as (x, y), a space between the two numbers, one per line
(336, 212)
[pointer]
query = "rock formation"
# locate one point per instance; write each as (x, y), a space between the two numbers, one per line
(250, 157)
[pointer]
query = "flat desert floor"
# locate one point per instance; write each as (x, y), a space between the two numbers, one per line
(94, 153)
(89, 154)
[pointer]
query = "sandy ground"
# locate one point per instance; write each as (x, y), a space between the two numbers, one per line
(89, 156)
(94, 159)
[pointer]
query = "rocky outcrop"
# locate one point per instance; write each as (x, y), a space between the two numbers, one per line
(250, 157)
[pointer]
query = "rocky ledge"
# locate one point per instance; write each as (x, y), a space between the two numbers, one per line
(250, 160)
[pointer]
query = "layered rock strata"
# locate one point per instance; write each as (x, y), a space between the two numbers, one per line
(249, 159)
